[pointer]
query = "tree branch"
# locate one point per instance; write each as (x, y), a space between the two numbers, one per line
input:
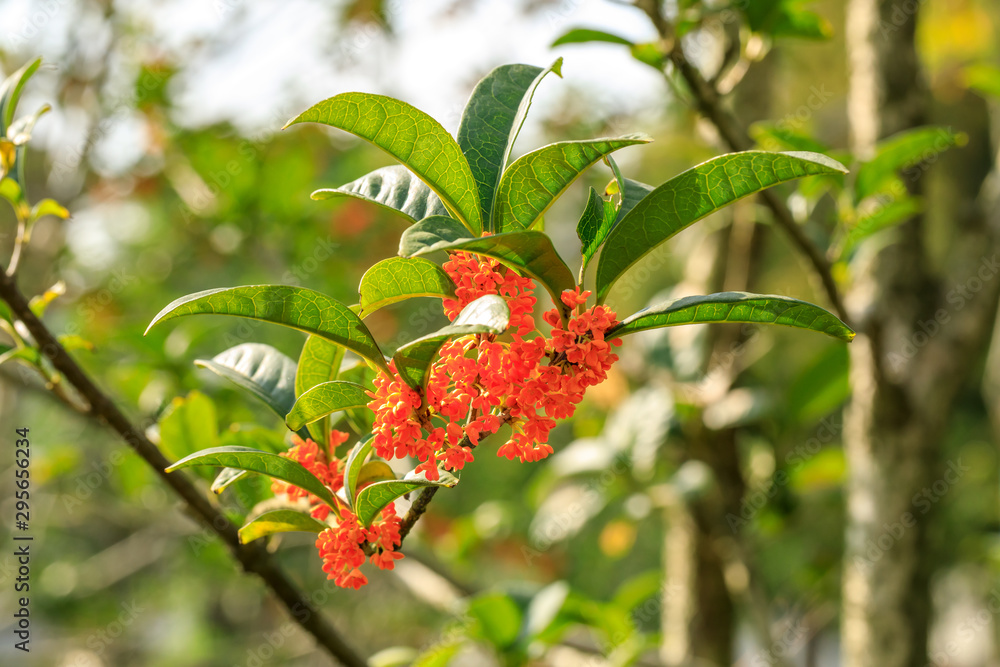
(252, 557)
(709, 102)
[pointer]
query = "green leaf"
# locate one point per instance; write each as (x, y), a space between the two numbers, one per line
(534, 181)
(901, 151)
(498, 616)
(226, 478)
(528, 252)
(395, 188)
(10, 190)
(39, 304)
(74, 342)
(189, 424)
(734, 307)
(440, 654)
(10, 93)
(694, 194)
(399, 278)
(352, 467)
(279, 521)
(19, 132)
(634, 193)
(491, 122)
(325, 399)
(319, 362)
(585, 35)
(882, 217)
(295, 307)
(259, 369)
(263, 463)
(487, 314)
(772, 137)
(48, 207)
(595, 224)
(374, 497)
(413, 138)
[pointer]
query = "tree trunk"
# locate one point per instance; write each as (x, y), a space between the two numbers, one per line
(915, 349)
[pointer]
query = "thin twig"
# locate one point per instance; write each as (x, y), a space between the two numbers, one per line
(709, 102)
(252, 557)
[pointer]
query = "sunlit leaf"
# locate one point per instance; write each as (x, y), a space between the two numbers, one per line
(279, 521)
(734, 307)
(48, 207)
(226, 478)
(395, 188)
(352, 467)
(528, 252)
(373, 498)
(533, 182)
(188, 425)
(295, 307)
(902, 151)
(487, 314)
(263, 463)
(399, 278)
(491, 122)
(319, 362)
(883, 216)
(10, 93)
(585, 35)
(412, 137)
(694, 194)
(40, 303)
(325, 399)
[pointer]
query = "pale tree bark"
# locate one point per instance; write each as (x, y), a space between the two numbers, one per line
(915, 349)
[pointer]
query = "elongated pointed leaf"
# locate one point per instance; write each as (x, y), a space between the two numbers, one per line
(413, 138)
(352, 467)
(295, 307)
(399, 278)
(374, 497)
(735, 307)
(694, 194)
(492, 120)
(319, 362)
(585, 35)
(263, 463)
(10, 93)
(226, 478)
(325, 399)
(395, 188)
(534, 181)
(487, 314)
(595, 224)
(279, 521)
(901, 151)
(528, 252)
(261, 370)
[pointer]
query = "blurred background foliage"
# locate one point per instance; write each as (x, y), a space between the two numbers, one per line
(164, 146)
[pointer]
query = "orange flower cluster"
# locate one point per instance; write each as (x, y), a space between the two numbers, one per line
(478, 379)
(477, 383)
(342, 548)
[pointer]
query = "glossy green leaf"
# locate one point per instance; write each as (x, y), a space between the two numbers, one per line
(295, 307)
(595, 224)
(325, 399)
(188, 425)
(352, 467)
(259, 369)
(534, 181)
(585, 35)
(412, 137)
(399, 278)
(395, 188)
(528, 252)
(491, 121)
(734, 307)
(487, 314)
(373, 498)
(10, 93)
(902, 151)
(263, 463)
(319, 362)
(694, 194)
(226, 478)
(279, 521)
